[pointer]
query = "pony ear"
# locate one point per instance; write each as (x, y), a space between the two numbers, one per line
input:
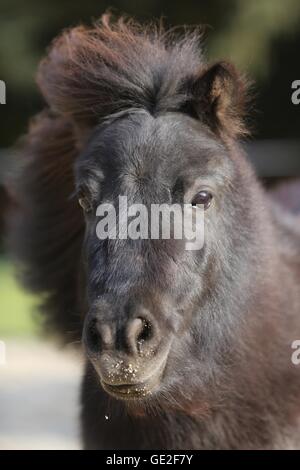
(218, 98)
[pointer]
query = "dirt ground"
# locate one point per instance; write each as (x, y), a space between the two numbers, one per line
(39, 397)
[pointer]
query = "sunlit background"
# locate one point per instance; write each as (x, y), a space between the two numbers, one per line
(38, 385)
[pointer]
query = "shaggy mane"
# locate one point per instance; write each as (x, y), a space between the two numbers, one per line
(46, 225)
(92, 72)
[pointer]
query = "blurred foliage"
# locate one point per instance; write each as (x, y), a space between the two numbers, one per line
(247, 32)
(253, 27)
(16, 306)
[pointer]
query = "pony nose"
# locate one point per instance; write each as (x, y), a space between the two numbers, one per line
(139, 332)
(135, 338)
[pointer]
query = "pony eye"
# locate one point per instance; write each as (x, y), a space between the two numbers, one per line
(203, 198)
(84, 202)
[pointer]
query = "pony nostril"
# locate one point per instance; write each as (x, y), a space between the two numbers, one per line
(139, 332)
(97, 336)
(146, 331)
(92, 337)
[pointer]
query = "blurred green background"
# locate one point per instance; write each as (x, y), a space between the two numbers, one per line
(17, 306)
(262, 37)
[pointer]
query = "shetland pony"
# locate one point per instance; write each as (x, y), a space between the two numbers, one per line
(184, 349)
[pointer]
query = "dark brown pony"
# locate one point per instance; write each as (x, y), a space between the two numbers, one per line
(185, 349)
